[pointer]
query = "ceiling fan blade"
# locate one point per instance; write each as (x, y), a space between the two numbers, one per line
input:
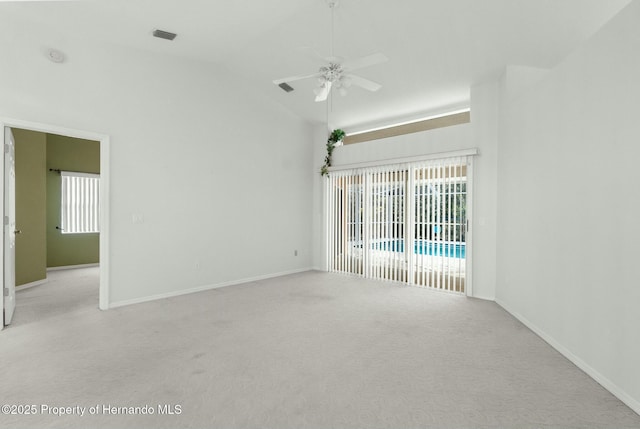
(324, 92)
(364, 83)
(294, 78)
(315, 55)
(367, 61)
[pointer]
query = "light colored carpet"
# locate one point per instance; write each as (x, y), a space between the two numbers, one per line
(313, 350)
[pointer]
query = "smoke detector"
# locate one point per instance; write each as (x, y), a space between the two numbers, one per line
(55, 56)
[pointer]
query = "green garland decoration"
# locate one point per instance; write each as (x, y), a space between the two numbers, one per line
(335, 136)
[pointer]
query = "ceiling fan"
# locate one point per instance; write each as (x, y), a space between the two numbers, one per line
(336, 74)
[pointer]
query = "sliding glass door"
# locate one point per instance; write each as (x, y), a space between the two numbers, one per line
(386, 258)
(440, 226)
(345, 213)
(404, 223)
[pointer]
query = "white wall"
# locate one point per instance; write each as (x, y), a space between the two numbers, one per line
(568, 229)
(220, 174)
(485, 100)
(481, 133)
(320, 134)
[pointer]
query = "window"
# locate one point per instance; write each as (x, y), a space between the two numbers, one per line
(454, 118)
(80, 203)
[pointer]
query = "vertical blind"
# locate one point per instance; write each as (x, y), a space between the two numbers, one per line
(404, 222)
(80, 202)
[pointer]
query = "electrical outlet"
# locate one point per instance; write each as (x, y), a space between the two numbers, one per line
(137, 218)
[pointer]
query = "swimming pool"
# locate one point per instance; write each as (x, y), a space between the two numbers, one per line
(423, 247)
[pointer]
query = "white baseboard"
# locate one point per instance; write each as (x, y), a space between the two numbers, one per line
(32, 284)
(204, 288)
(619, 393)
(484, 298)
(72, 267)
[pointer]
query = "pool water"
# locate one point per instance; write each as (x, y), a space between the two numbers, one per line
(423, 247)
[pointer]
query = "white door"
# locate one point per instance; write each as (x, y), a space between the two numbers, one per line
(9, 227)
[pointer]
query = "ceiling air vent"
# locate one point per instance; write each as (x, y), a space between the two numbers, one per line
(286, 87)
(161, 34)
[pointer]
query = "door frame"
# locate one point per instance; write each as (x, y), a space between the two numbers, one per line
(104, 140)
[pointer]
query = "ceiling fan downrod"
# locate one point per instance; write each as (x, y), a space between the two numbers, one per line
(332, 5)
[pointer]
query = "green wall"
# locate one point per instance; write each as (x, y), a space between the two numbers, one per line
(66, 153)
(31, 194)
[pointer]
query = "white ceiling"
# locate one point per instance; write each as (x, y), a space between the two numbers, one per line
(437, 49)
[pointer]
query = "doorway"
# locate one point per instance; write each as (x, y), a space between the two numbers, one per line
(103, 246)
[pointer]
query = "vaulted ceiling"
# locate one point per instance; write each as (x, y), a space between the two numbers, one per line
(437, 49)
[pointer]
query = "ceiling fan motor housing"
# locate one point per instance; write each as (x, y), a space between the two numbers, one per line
(332, 72)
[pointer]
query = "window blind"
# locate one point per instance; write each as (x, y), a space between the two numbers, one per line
(404, 222)
(80, 202)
